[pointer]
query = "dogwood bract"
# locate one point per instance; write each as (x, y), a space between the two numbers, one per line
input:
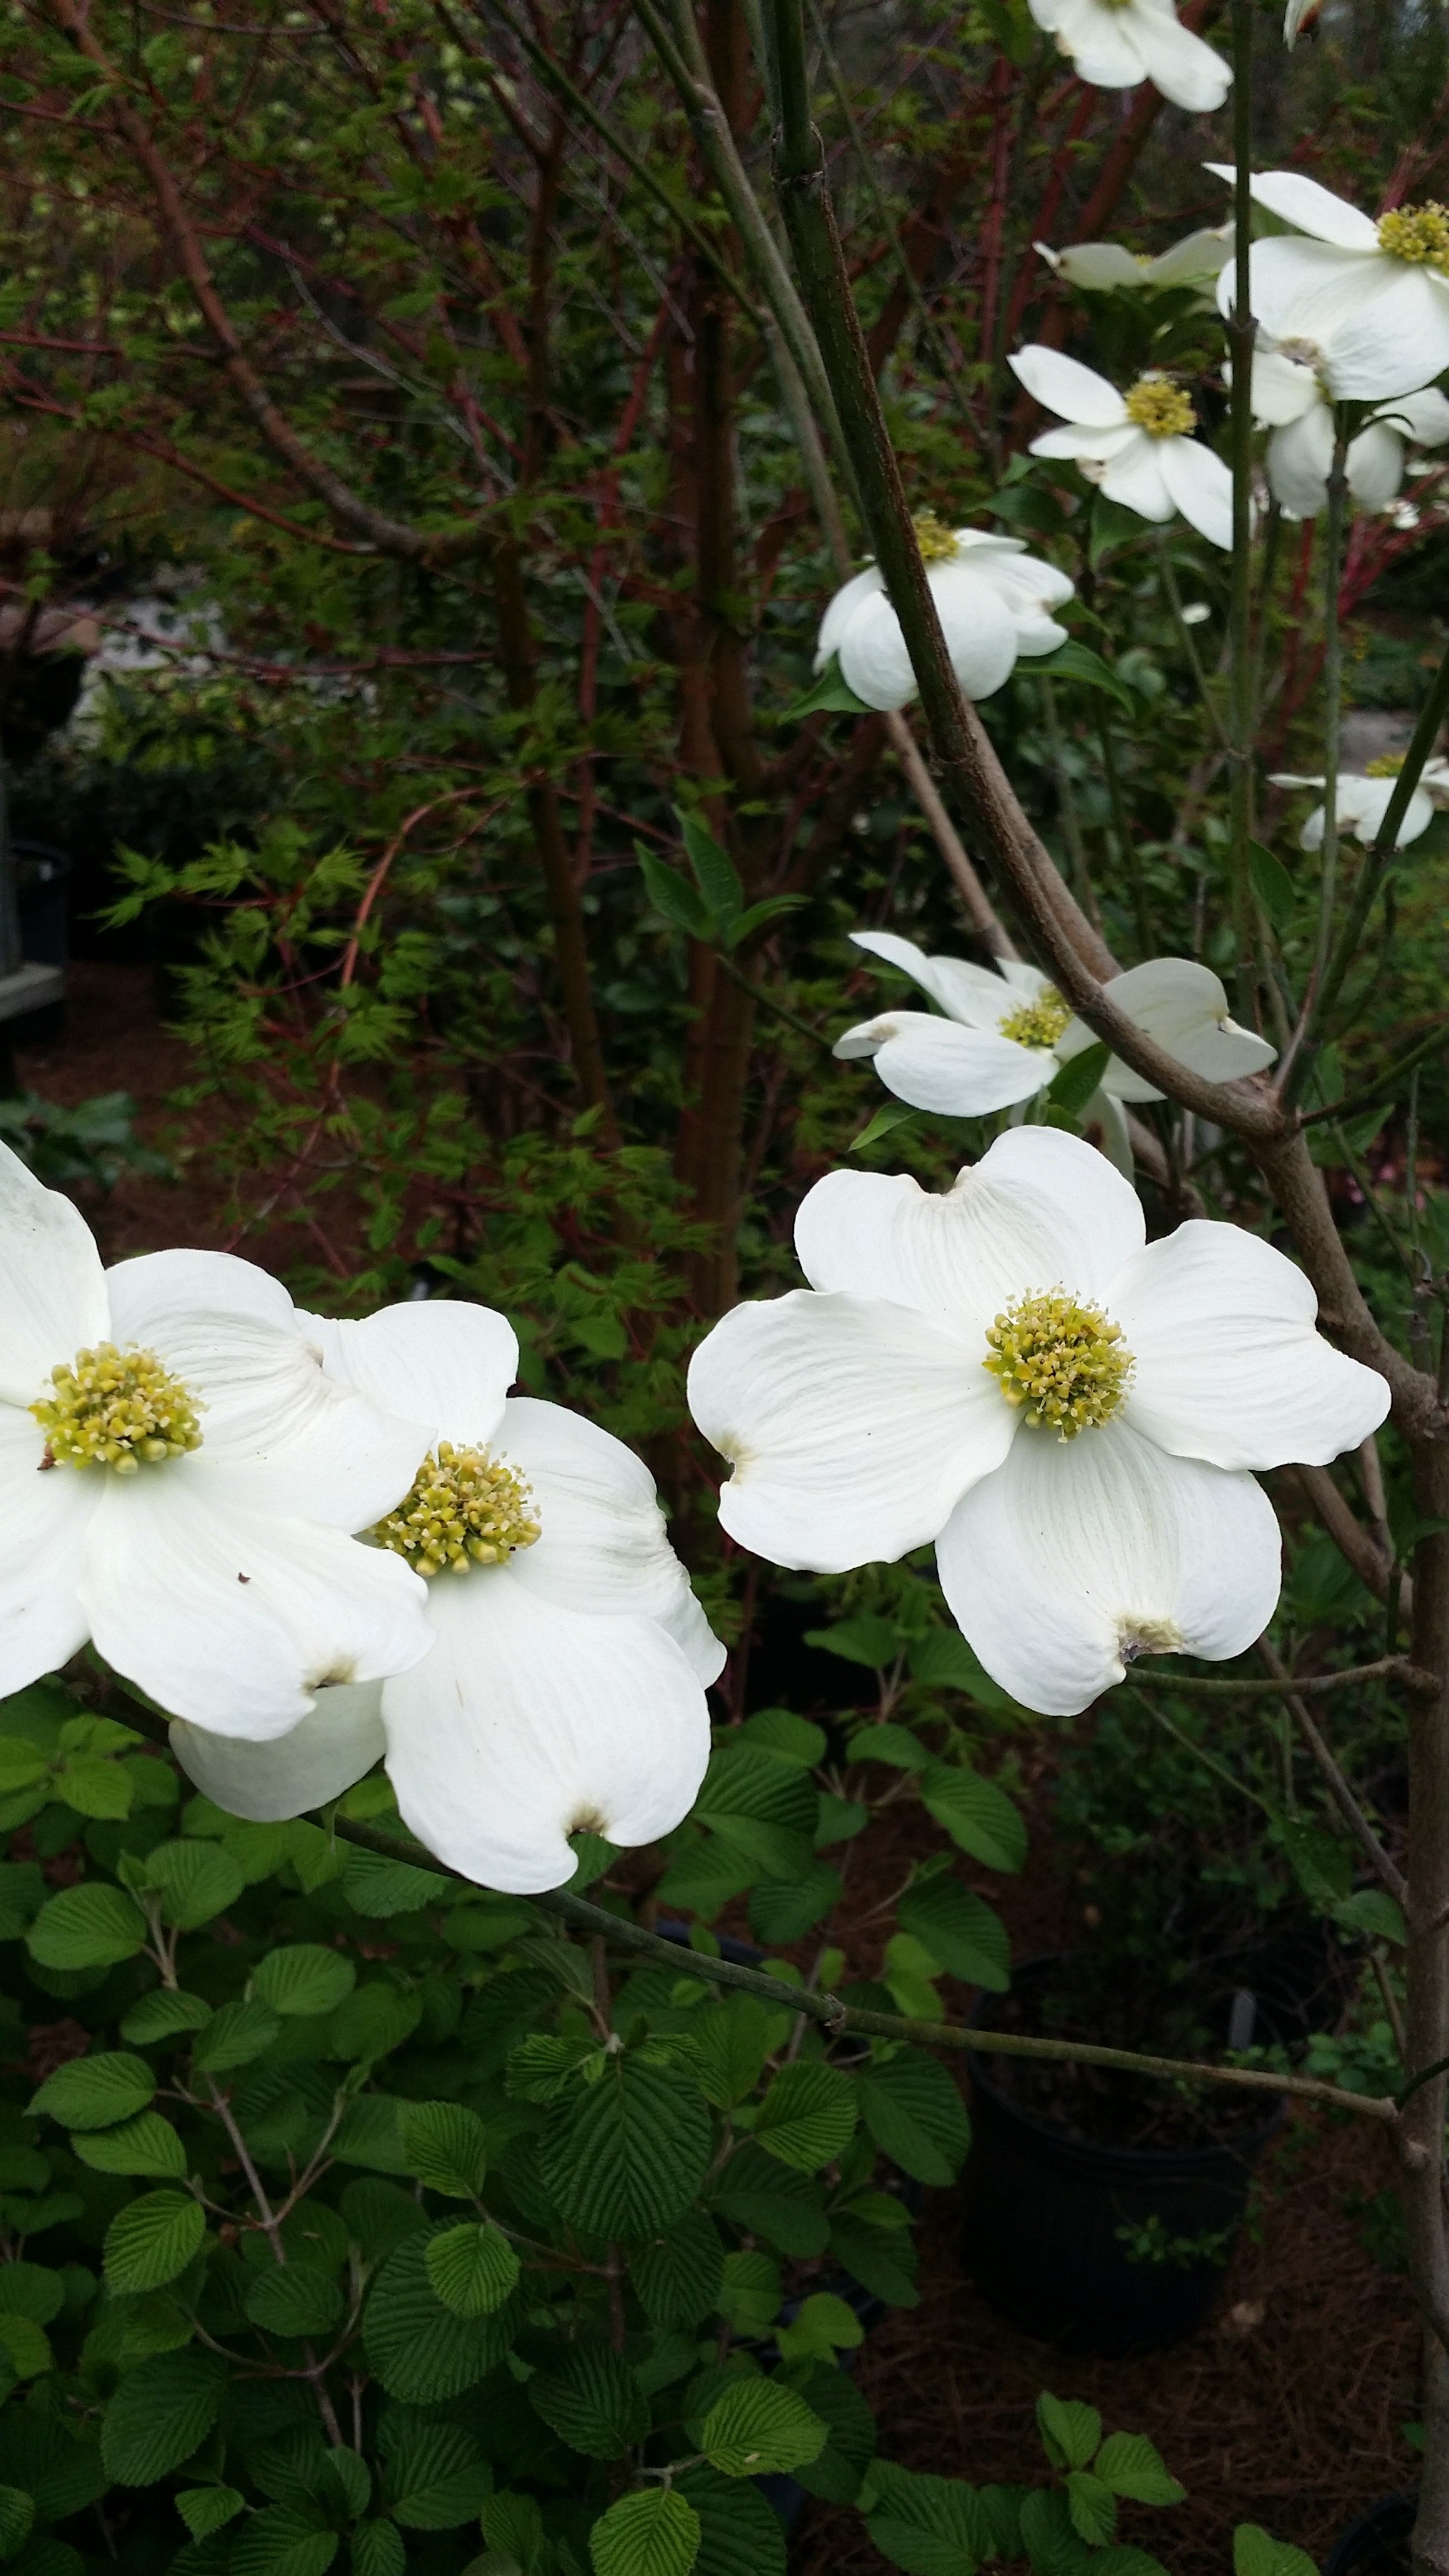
(178, 1479)
(1291, 398)
(1097, 267)
(1135, 446)
(564, 1689)
(1068, 1411)
(1007, 1033)
(1363, 799)
(1115, 44)
(1371, 297)
(991, 596)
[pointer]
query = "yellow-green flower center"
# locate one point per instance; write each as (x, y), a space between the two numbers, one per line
(118, 1409)
(1064, 1363)
(1387, 765)
(1161, 408)
(1039, 1022)
(1419, 234)
(936, 541)
(465, 1509)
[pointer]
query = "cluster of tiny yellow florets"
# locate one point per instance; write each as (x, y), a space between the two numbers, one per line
(1419, 234)
(119, 1409)
(1160, 407)
(935, 540)
(1066, 1364)
(1387, 765)
(465, 1509)
(1038, 1023)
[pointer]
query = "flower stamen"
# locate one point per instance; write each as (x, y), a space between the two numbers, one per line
(1065, 1363)
(1418, 234)
(1039, 1022)
(1387, 765)
(936, 541)
(1159, 407)
(119, 1409)
(465, 1509)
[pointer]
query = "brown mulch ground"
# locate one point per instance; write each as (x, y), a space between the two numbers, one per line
(1285, 2409)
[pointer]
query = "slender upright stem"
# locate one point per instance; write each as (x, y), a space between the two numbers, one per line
(1242, 332)
(1381, 855)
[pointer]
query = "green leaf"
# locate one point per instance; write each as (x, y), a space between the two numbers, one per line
(305, 1979)
(435, 2479)
(1072, 1086)
(29, 2290)
(1257, 2553)
(21, 1765)
(977, 1815)
(593, 2402)
(836, 2472)
(740, 2534)
(755, 916)
(22, 1891)
(1069, 2430)
(1074, 661)
(95, 1787)
(145, 2145)
(373, 2021)
(882, 2258)
(379, 1887)
(1272, 885)
(1371, 1911)
(163, 2015)
(960, 1930)
(750, 2293)
(90, 1926)
(370, 2134)
(419, 2349)
(445, 2146)
(830, 696)
(152, 2239)
(943, 1661)
(782, 1910)
(197, 1881)
(915, 2114)
(890, 1115)
(282, 2540)
(1130, 2466)
(378, 2549)
(891, 1744)
(295, 2298)
(928, 2525)
(758, 2427)
(95, 2092)
(24, 2345)
(17, 2515)
(673, 896)
(472, 2269)
(653, 2533)
(715, 873)
(160, 2413)
(731, 2041)
(1049, 2537)
(862, 1639)
(826, 2324)
(208, 2509)
(629, 2154)
(676, 2277)
(808, 2116)
(769, 2199)
(234, 2036)
(1092, 2506)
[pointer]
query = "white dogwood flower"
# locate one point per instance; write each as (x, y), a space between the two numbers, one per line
(1096, 267)
(1068, 1411)
(1007, 1033)
(1136, 446)
(993, 600)
(1115, 44)
(1372, 297)
(179, 1480)
(1363, 799)
(1292, 398)
(564, 1686)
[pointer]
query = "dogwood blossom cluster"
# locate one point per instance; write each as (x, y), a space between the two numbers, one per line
(320, 1545)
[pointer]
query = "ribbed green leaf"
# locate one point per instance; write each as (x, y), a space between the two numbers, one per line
(305, 1979)
(208, 2509)
(282, 2540)
(472, 2269)
(160, 2413)
(759, 2426)
(915, 2114)
(808, 2116)
(197, 1881)
(676, 2277)
(87, 1927)
(1131, 2466)
(740, 2534)
(445, 2147)
(435, 2479)
(152, 2239)
(960, 1930)
(593, 2401)
(976, 1814)
(836, 2471)
(419, 2350)
(163, 2015)
(95, 2092)
(293, 2299)
(628, 2154)
(145, 2145)
(653, 2533)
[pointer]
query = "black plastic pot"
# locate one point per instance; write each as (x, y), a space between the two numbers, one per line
(1044, 2212)
(1378, 2543)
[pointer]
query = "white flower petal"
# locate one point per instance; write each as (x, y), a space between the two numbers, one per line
(965, 992)
(156, 1297)
(1298, 200)
(1040, 1208)
(1394, 344)
(529, 1722)
(337, 1743)
(1283, 390)
(1305, 290)
(44, 1514)
(1184, 1007)
(1230, 1366)
(1300, 458)
(1077, 440)
(1082, 1553)
(1424, 417)
(1099, 41)
(864, 585)
(958, 1073)
(1095, 265)
(1177, 62)
(1194, 260)
(1135, 478)
(853, 1425)
(979, 628)
(234, 1621)
(873, 657)
(604, 1546)
(1063, 385)
(1375, 465)
(52, 1287)
(1362, 804)
(439, 1361)
(1104, 1124)
(1201, 486)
